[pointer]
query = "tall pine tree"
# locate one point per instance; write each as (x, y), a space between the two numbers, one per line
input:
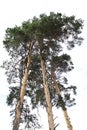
(47, 34)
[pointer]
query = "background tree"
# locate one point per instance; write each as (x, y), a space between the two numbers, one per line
(54, 30)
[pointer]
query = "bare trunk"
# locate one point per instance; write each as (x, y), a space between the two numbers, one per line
(64, 109)
(16, 122)
(47, 94)
(69, 126)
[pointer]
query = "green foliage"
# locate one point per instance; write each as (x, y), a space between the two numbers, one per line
(63, 63)
(13, 95)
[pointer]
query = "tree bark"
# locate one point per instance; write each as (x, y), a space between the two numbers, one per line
(19, 105)
(47, 94)
(64, 109)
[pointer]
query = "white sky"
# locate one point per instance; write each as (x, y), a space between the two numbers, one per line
(14, 12)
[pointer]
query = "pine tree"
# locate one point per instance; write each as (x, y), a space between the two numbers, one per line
(48, 33)
(19, 45)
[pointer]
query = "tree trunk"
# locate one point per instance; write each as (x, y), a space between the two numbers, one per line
(19, 105)
(47, 94)
(64, 109)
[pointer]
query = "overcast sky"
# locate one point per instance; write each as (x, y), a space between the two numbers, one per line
(14, 12)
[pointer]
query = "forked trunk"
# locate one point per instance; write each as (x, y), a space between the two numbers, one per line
(19, 105)
(47, 94)
(64, 109)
